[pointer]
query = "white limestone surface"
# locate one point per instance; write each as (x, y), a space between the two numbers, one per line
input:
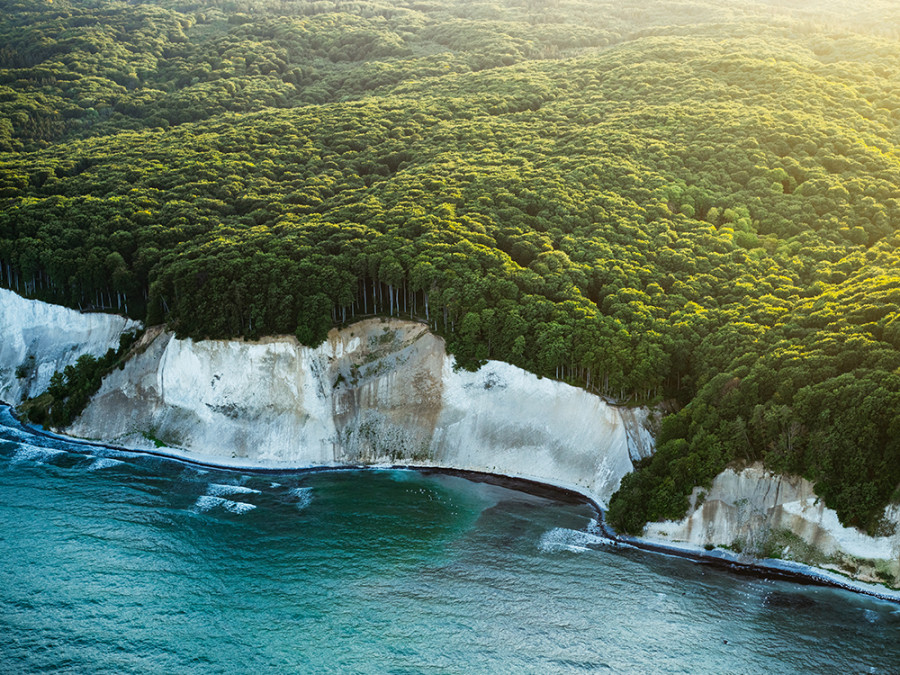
(505, 420)
(751, 508)
(378, 392)
(639, 426)
(37, 339)
(214, 398)
(385, 392)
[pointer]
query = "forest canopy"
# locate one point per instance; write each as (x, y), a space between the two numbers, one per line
(694, 202)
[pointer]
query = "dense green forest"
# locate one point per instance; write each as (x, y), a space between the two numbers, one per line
(694, 202)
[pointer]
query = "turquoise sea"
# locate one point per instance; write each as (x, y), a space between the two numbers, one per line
(117, 562)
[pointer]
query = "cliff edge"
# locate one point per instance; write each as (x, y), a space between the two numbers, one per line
(386, 392)
(39, 339)
(377, 392)
(758, 514)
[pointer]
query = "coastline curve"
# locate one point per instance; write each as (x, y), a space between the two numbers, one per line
(721, 559)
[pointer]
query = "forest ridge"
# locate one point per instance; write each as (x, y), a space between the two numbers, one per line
(694, 202)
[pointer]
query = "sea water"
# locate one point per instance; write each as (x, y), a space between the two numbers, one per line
(125, 563)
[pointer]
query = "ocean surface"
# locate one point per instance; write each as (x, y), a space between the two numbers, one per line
(117, 562)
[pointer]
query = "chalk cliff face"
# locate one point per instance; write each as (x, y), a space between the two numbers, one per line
(385, 392)
(37, 339)
(377, 392)
(764, 514)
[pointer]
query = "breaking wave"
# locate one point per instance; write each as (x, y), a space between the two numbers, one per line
(223, 490)
(303, 495)
(103, 463)
(33, 453)
(562, 539)
(208, 502)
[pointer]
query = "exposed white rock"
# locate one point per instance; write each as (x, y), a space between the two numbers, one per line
(37, 339)
(378, 392)
(754, 508)
(639, 425)
(385, 392)
(505, 420)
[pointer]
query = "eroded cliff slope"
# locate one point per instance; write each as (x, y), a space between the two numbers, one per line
(761, 514)
(37, 339)
(377, 392)
(385, 391)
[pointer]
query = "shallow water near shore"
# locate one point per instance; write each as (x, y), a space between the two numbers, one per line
(121, 562)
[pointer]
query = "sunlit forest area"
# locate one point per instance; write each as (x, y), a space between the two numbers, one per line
(691, 203)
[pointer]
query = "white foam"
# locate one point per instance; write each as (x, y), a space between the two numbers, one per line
(208, 502)
(303, 495)
(12, 434)
(33, 453)
(103, 463)
(205, 503)
(122, 454)
(562, 539)
(238, 507)
(221, 490)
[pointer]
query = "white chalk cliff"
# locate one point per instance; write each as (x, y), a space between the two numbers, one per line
(759, 513)
(386, 392)
(377, 392)
(37, 339)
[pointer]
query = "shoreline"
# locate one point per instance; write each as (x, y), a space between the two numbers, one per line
(783, 570)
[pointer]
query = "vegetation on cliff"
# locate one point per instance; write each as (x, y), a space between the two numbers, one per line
(686, 200)
(70, 390)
